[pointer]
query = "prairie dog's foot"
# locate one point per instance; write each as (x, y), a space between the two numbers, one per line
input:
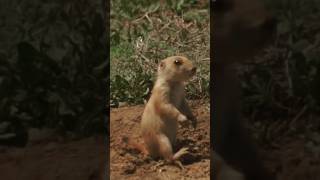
(177, 156)
(179, 164)
(159, 164)
(180, 153)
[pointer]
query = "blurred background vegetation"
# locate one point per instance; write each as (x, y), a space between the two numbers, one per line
(281, 89)
(143, 32)
(51, 52)
(53, 72)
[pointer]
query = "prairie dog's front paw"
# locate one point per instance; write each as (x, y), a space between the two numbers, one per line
(182, 118)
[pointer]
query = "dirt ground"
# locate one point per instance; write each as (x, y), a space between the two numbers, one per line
(289, 157)
(48, 157)
(292, 162)
(292, 159)
(54, 160)
(128, 164)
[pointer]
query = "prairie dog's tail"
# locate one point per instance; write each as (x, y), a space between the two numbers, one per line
(135, 145)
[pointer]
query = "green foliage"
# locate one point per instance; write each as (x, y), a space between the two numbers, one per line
(144, 32)
(287, 77)
(53, 52)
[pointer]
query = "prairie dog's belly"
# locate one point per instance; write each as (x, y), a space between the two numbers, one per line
(170, 129)
(151, 121)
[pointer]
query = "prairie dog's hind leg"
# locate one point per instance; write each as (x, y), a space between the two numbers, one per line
(165, 147)
(166, 151)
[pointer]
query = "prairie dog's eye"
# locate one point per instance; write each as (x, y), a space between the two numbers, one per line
(177, 62)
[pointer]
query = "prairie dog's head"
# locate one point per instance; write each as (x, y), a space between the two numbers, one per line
(176, 69)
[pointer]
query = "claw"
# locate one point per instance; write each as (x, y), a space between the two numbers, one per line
(158, 165)
(180, 153)
(179, 164)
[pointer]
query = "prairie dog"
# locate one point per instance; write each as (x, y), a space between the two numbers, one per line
(167, 106)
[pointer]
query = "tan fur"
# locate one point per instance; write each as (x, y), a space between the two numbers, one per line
(135, 145)
(167, 106)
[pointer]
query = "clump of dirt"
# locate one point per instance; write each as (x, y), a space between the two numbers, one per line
(129, 164)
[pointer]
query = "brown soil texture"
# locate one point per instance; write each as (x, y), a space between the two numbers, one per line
(287, 157)
(78, 159)
(293, 156)
(126, 163)
(290, 159)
